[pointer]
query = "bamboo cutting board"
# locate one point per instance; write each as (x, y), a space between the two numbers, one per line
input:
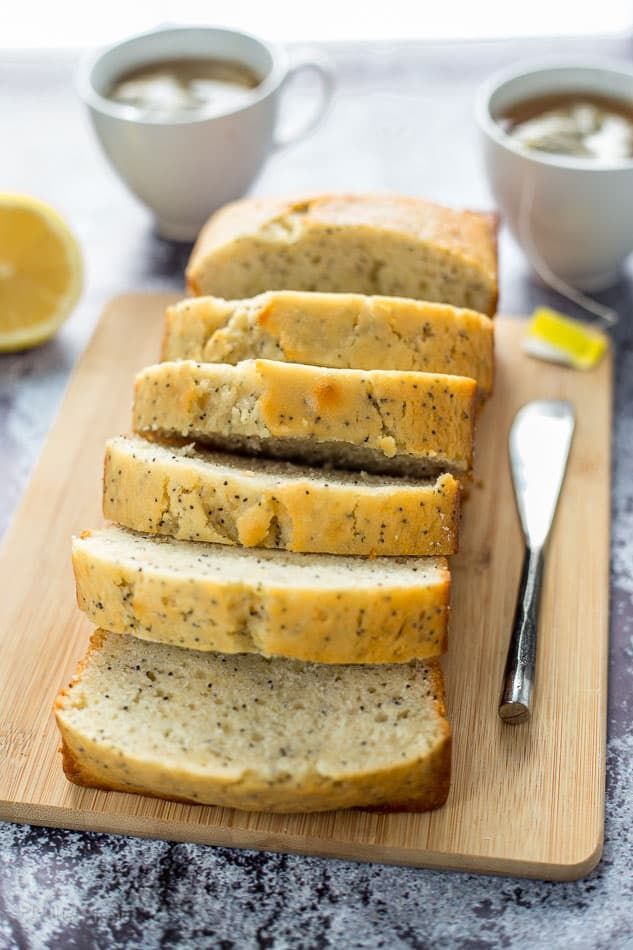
(525, 800)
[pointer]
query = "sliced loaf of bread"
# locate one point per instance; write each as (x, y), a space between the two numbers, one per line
(369, 244)
(348, 331)
(195, 495)
(314, 607)
(250, 733)
(378, 420)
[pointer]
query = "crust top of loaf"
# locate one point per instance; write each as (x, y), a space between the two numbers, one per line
(469, 236)
(472, 233)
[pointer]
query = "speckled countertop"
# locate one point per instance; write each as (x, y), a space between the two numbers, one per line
(402, 122)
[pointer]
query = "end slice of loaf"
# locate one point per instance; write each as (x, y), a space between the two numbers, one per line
(370, 244)
(314, 607)
(347, 331)
(194, 495)
(249, 733)
(383, 421)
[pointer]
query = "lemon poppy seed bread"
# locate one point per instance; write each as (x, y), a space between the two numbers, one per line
(383, 421)
(348, 331)
(314, 607)
(197, 495)
(256, 734)
(370, 244)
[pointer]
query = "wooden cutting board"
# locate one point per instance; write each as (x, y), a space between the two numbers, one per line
(525, 800)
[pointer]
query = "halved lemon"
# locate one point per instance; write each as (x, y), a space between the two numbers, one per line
(41, 272)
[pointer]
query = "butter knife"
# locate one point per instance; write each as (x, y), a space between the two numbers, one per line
(539, 444)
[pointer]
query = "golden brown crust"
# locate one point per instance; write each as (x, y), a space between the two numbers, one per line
(471, 231)
(163, 492)
(494, 222)
(433, 797)
(464, 235)
(437, 791)
(76, 772)
(313, 623)
(404, 423)
(337, 330)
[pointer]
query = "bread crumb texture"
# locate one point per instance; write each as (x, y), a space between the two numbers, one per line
(194, 495)
(246, 732)
(345, 331)
(307, 606)
(388, 245)
(380, 420)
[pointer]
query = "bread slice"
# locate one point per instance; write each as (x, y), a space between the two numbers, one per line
(348, 331)
(245, 732)
(369, 244)
(312, 607)
(385, 421)
(194, 495)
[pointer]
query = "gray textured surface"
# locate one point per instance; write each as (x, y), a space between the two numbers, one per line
(401, 121)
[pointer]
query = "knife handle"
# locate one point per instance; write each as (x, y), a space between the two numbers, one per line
(518, 678)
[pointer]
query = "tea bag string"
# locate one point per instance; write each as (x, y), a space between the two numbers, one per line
(606, 315)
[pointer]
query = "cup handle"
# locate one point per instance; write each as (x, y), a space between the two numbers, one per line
(315, 64)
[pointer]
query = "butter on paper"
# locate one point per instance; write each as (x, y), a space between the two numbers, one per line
(556, 338)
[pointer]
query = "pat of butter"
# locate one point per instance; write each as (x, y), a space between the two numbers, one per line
(556, 338)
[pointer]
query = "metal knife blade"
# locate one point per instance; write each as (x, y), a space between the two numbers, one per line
(539, 443)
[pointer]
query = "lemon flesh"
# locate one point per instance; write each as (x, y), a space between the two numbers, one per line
(40, 272)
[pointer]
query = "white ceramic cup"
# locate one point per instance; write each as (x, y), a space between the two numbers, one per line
(186, 167)
(573, 217)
